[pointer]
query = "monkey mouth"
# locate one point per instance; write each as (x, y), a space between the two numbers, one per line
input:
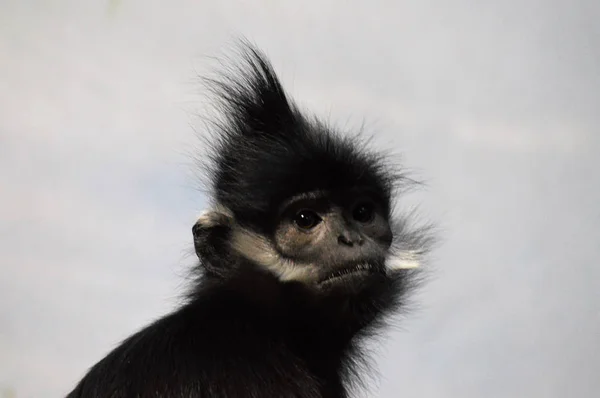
(351, 271)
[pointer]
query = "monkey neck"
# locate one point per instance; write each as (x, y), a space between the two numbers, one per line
(302, 306)
(321, 331)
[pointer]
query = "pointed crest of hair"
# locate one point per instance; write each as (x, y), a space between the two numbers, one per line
(250, 95)
(265, 150)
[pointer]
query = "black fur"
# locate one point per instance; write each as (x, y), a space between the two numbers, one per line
(267, 150)
(243, 333)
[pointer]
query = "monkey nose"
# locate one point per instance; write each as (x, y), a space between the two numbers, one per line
(350, 240)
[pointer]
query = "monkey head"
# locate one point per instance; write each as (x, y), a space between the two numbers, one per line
(294, 197)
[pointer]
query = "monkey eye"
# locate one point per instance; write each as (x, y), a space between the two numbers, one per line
(364, 212)
(306, 219)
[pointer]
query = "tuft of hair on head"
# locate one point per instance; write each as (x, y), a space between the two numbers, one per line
(263, 149)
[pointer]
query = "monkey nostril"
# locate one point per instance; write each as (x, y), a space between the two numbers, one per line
(345, 240)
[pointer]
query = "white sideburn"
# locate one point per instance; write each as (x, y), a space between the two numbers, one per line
(256, 248)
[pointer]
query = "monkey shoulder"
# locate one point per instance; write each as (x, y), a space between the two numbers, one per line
(201, 350)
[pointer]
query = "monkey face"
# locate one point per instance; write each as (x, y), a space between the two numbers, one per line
(340, 240)
(336, 238)
(323, 239)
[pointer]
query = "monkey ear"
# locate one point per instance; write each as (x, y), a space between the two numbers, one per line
(219, 216)
(211, 236)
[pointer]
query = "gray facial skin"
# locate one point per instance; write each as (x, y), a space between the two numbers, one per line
(346, 236)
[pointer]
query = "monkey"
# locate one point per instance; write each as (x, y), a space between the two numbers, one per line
(301, 259)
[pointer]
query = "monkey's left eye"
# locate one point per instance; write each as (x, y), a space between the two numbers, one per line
(307, 219)
(364, 212)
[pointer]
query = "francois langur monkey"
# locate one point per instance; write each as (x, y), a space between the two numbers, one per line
(300, 255)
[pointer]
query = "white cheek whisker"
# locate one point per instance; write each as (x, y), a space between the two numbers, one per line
(405, 259)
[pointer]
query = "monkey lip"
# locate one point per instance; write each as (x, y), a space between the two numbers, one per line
(354, 270)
